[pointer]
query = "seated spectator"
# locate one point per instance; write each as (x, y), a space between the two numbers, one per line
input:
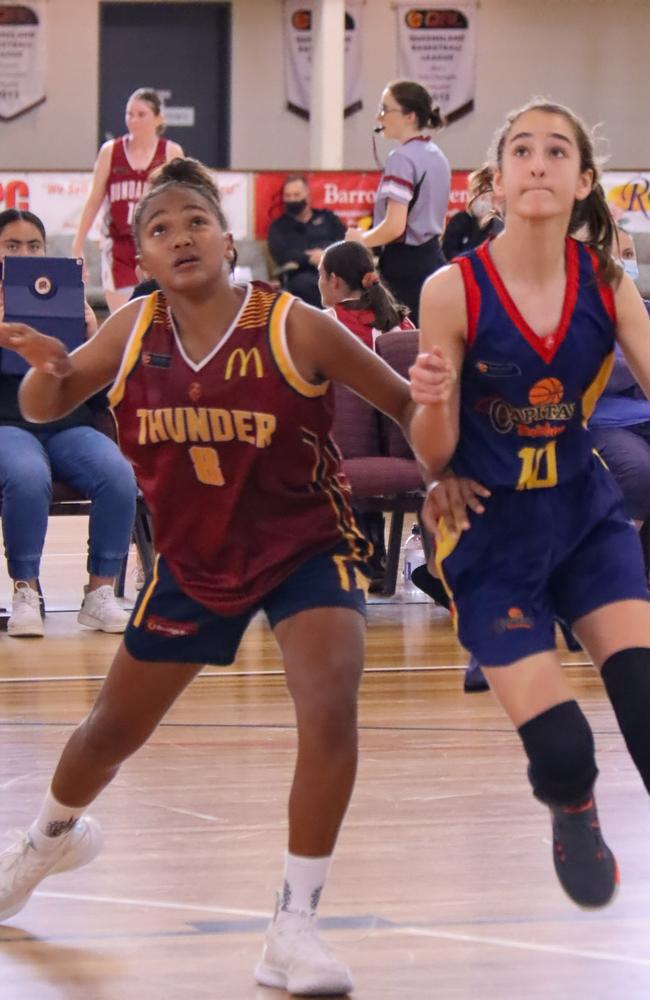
(73, 451)
(471, 227)
(297, 239)
(620, 423)
(351, 289)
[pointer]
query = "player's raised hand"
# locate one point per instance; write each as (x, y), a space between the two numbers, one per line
(432, 377)
(448, 500)
(46, 354)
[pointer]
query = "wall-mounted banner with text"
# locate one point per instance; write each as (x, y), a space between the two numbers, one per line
(628, 196)
(58, 199)
(298, 19)
(437, 46)
(22, 57)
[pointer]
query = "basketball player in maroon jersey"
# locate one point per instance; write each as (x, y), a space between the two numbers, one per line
(221, 395)
(119, 180)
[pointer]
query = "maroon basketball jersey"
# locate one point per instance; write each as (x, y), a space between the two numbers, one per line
(124, 188)
(233, 454)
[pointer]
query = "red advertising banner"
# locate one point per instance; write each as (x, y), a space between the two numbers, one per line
(351, 194)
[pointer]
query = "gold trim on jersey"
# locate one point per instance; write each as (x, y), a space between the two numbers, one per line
(132, 349)
(444, 547)
(593, 392)
(137, 621)
(326, 482)
(280, 350)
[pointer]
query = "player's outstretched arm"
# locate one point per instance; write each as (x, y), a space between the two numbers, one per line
(58, 382)
(633, 331)
(434, 376)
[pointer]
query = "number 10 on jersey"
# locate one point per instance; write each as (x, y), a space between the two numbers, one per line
(538, 467)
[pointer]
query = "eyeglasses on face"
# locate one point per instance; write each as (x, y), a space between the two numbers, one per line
(383, 110)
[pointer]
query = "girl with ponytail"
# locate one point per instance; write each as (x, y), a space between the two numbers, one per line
(537, 529)
(413, 193)
(352, 290)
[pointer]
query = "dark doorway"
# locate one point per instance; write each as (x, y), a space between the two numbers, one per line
(181, 50)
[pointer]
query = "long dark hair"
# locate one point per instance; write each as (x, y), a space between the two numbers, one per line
(590, 216)
(19, 215)
(354, 264)
(412, 96)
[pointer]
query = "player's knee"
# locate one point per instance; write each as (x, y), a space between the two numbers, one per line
(330, 725)
(109, 737)
(560, 749)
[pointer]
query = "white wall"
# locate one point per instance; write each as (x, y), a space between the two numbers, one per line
(62, 132)
(590, 54)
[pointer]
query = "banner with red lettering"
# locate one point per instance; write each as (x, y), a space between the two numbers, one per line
(298, 19)
(349, 193)
(437, 46)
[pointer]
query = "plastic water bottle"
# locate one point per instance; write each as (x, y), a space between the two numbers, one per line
(413, 552)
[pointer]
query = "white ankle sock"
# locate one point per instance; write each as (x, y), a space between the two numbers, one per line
(303, 883)
(53, 821)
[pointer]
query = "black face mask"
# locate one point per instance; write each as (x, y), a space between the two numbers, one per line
(295, 207)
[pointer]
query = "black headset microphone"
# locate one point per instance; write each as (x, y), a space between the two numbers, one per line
(377, 130)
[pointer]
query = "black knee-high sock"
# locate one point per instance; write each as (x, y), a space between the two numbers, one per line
(626, 676)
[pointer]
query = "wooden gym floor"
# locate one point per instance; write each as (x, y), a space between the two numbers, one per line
(442, 886)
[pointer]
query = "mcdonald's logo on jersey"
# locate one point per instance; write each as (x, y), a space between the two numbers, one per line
(244, 358)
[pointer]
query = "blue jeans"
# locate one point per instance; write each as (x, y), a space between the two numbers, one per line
(84, 459)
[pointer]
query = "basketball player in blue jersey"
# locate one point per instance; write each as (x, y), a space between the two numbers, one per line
(222, 398)
(529, 321)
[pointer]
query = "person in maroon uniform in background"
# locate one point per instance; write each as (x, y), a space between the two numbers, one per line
(120, 179)
(222, 398)
(352, 291)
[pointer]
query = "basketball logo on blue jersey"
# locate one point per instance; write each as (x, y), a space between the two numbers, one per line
(514, 618)
(546, 404)
(497, 369)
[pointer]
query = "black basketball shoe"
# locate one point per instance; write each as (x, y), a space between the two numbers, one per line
(584, 864)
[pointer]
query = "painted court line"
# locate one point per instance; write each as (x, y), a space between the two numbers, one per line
(379, 928)
(422, 669)
(154, 904)
(549, 949)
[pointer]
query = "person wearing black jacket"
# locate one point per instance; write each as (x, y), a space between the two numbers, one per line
(297, 239)
(471, 227)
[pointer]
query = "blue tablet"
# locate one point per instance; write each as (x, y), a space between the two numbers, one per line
(46, 293)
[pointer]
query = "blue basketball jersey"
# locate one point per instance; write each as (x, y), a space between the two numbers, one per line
(525, 399)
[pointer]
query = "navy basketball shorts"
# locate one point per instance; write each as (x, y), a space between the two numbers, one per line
(536, 555)
(169, 626)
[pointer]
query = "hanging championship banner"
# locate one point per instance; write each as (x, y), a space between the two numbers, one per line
(22, 57)
(437, 47)
(298, 18)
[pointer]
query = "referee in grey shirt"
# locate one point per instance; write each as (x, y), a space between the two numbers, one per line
(413, 194)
